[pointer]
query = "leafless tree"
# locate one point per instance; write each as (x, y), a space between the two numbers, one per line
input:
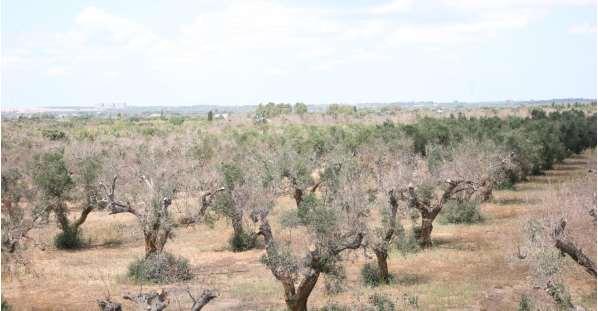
(150, 181)
(483, 165)
(390, 168)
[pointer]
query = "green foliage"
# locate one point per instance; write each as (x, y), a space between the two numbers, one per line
(51, 175)
(336, 109)
(272, 110)
(300, 108)
(525, 304)
(149, 131)
(69, 238)
(160, 268)
(309, 203)
(370, 275)
(5, 305)
(381, 302)
(335, 307)
(465, 212)
(560, 294)
(406, 243)
(242, 241)
(54, 134)
(290, 219)
(425, 192)
(281, 258)
(232, 175)
(203, 147)
(176, 121)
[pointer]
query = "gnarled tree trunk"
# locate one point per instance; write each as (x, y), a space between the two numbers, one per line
(381, 257)
(296, 297)
(427, 224)
(430, 210)
(381, 248)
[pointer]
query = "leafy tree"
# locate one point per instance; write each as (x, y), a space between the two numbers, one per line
(55, 185)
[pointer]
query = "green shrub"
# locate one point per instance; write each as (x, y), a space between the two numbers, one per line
(242, 242)
(54, 134)
(407, 243)
(335, 307)
(176, 121)
(370, 275)
(461, 213)
(561, 295)
(160, 268)
(51, 175)
(69, 238)
(381, 302)
(525, 304)
(5, 305)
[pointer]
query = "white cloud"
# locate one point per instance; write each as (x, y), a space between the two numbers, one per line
(582, 29)
(238, 42)
(516, 4)
(394, 6)
(56, 71)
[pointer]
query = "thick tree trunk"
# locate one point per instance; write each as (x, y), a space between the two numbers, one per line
(486, 189)
(381, 257)
(155, 241)
(150, 244)
(425, 238)
(298, 196)
(298, 301)
(237, 222)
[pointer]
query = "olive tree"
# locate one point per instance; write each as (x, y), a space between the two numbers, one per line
(148, 181)
(300, 170)
(390, 168)
(335, 222)
(562, 234)
(427, 192)
(58, 183)
(15, 220)
(247, 186)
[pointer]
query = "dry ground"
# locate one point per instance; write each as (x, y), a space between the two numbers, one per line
(471, 267)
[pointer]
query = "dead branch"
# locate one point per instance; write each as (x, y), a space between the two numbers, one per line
(152, 301)
(568, 246)
(107, 305)
(203, 299)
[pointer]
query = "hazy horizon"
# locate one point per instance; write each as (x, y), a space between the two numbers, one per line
(237, 53)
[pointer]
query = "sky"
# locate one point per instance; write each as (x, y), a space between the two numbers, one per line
(244, 52)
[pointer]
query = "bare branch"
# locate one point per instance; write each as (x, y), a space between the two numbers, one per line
(152, 301)
(567, 246)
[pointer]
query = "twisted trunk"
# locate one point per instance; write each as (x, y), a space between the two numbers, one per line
(425, 237)
(381, 257)
(298, 301)
(296, 297)
(381, 249)
(237, 222)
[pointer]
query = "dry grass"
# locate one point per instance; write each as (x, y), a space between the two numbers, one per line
(470, 268)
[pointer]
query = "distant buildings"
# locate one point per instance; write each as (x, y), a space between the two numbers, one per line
(122, 105)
